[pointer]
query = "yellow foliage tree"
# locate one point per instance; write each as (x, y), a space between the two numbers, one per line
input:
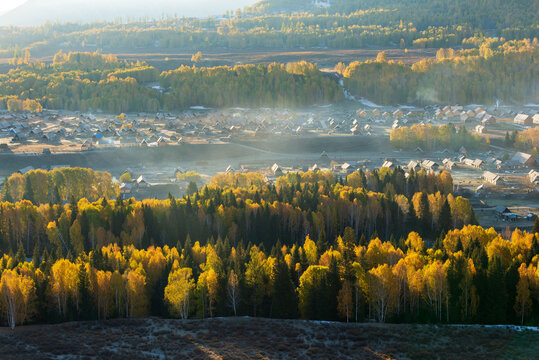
(17, 294)
(178, 292)
(64, 282)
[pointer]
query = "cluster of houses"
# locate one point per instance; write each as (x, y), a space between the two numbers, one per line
(50, 127)
(519, 160)
(20, 127)
(89, 131)
(351, 166)
(400, 117)
(396, 114)
(459, 114)
(481, 117)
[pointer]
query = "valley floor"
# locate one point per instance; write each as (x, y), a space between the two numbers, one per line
(250, 338)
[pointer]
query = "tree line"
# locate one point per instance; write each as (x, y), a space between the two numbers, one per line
(59, 185)
(380, 203)
(471, 275)
(289, 85)
(430, 137)
(489, 71)
(496, 70)
(91, 81)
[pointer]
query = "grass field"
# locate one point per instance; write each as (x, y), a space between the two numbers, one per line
(251, 338)
(166, 59)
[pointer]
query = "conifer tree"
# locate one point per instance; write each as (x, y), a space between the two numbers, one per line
(496, 300)
(284, 299)
(28, 190)
(85, 295)
(446, 222)
(20, 257)
(535, 229)
(36, 256)
(6, 191)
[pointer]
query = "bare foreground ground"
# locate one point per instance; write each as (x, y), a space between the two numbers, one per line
(250, 338)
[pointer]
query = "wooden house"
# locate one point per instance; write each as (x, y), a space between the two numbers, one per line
(523, 119)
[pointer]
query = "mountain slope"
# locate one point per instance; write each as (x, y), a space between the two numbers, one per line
(36, 12)
(487, 14)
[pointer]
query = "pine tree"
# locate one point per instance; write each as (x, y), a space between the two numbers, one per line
(455, 275)
(20, 257)
(191, 188)
(497, 297)
(535, 229)
(187, 260)
(46, 264)
(534, 250)
(28, 190)
(6, 194)
(423, 213)
(511, 280)
(348, 255)
(363, 240)
(439, 242)
(333, 287)
(284, 299)
(86, 306)
(507, 140)
(36, 257)
(56, 198)
(74, 206)
(322, 243)
(96, 259)
(446, 222)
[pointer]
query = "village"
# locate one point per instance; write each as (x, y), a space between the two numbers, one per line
(152, 155)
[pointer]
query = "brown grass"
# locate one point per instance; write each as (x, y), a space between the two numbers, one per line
(249, 338)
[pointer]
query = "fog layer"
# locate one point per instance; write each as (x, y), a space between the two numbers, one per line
(36, 12)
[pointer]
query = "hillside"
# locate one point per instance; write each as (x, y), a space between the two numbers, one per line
(487, 14)
(284, 339)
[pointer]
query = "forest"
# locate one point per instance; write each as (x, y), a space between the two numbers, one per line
(252, 248)
(481, 14)
(292, 85)
(432, 138)
(312, 246)
(485, 71)
(91, 81)
(494, 70)
(240, 207)
(58, 186)
(273, 25)
(471, 275)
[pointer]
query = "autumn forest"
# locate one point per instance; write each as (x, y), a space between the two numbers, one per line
(484, 71)
(375, 244)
